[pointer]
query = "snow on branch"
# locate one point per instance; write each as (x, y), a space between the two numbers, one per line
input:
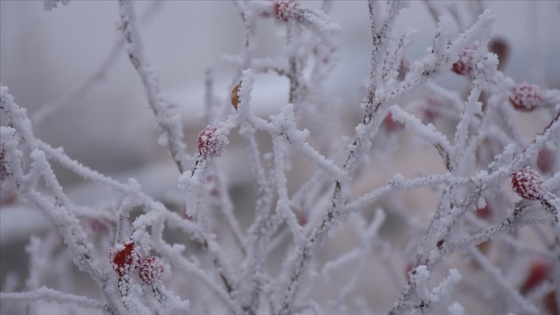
(310, 201)
(169, 123)
(50, 295)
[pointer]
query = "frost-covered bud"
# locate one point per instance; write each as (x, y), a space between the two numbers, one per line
(526, 97)
(527, 183)
(286, 9)
(151, 270)
(125, 257)
(211, 142)
(465, 64)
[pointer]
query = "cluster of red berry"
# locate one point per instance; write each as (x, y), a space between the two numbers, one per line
(524, 97)
(127, 259)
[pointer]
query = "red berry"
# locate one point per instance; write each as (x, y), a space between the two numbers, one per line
(526, 97)
(150, 270)
(483, 213)
(545, 160)
(286, 9)
(465, 64)
(302, 220)
(409, 267)
(433, 104)
(124, 258)
(527, 183)
(537, 274)
(98, 226)
(211, 142)
(391, 124)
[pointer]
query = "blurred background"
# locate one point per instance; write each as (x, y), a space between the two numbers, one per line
(47, 54)
(68, 59)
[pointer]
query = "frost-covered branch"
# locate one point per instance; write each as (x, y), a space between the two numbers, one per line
(169, 123)
(297, 200)
(50, 295)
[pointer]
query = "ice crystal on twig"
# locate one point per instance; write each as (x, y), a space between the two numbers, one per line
(312, 213)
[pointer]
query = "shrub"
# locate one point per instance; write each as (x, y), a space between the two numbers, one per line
(319, 245)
